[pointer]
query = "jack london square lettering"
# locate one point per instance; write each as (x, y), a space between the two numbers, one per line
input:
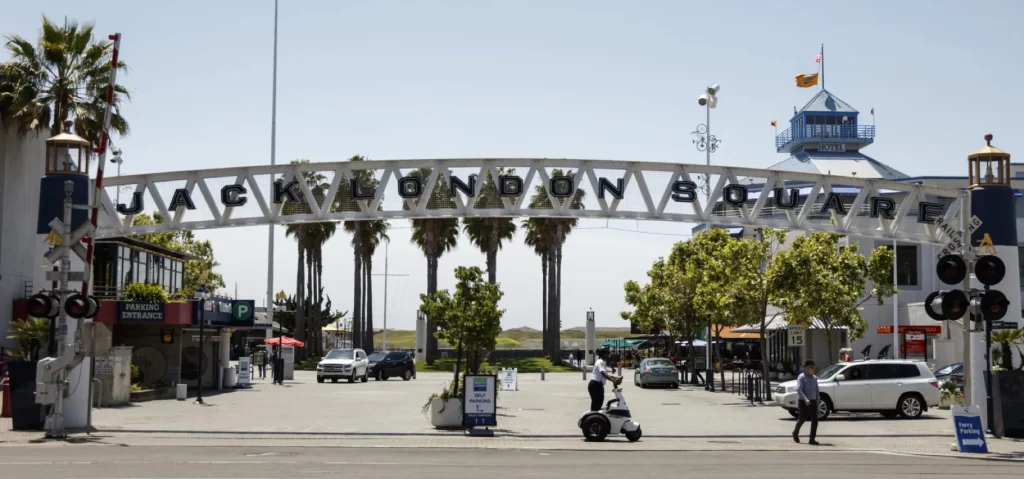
(512, 186)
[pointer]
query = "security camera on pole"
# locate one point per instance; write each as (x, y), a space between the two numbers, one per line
(51, 372)
(708, 143)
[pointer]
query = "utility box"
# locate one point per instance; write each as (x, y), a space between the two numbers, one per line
(288, 354)
(114, 370)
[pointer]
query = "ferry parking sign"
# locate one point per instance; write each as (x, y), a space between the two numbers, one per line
(970, 434)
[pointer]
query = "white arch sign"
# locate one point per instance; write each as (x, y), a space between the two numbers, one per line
(533, 187)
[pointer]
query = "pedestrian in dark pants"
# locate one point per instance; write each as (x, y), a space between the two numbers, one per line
(807, 390)
(597, 379)
(262, 359)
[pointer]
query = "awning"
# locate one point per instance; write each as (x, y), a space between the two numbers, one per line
(623, 343)
(738, 335)
(696, 342)
(778, 323)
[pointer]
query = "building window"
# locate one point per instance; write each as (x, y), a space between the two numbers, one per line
(906, 265)
(1020, 264)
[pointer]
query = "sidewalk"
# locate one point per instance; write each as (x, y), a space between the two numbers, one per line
(541, 415)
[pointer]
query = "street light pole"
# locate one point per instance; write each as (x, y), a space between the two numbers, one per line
(278, 373)
(201, 294)
(707, 143)
(386, 275)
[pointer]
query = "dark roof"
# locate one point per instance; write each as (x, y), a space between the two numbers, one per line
(825, 101)
(147, 246)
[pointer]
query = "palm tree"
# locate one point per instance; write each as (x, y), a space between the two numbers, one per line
(366, 235)
(550, 234)
(435, 237)
(64, 77)
(536, 239)
(489, 233)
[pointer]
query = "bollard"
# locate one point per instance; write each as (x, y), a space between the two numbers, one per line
(750, 388)
(583, 367)
(757, 389)
(542, 373)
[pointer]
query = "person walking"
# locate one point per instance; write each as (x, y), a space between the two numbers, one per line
(807, 392)
(261, 361)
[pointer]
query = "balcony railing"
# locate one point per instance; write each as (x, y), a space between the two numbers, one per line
(825, 132)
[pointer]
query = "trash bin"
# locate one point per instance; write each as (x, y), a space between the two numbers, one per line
(230, 377)
(181, 391)
(25, 413)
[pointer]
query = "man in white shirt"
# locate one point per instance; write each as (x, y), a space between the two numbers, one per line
(597, 379)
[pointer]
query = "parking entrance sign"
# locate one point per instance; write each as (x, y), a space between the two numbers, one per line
(510, 379)
(479, 406)
(970, 434)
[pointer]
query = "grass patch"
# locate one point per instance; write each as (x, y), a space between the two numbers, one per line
(404, 339)
(308, 364)
(524, 365)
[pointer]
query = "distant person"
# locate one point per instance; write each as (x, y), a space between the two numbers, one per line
(807, 390)
(261, 359)
(597, 379)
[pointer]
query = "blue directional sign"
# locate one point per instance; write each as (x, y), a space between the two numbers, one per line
(970, 434)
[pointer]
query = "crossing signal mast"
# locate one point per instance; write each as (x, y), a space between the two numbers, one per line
(59, 305)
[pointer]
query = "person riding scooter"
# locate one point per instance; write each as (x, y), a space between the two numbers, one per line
(597, 379)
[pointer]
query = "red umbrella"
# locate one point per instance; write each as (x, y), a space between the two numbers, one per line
(287, 342)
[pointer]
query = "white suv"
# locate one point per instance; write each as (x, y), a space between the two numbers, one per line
(348, 364)
(890, 387)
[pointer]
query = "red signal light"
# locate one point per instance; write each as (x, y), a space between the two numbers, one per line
(78, 306)
(43, 306)
(951, 269)
(990, 270)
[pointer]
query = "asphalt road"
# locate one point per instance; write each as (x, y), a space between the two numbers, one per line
(111, 462)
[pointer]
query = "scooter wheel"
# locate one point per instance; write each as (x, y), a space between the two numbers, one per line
(634, 436)
(595, 428)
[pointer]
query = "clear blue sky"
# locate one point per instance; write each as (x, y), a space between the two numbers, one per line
(578, 79)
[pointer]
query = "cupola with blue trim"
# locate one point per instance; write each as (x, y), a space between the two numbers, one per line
(825, 124)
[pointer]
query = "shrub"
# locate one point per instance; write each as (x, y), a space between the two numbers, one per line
(32, 335)
(146, 293)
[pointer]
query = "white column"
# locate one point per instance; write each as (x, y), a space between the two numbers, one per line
(225, 355)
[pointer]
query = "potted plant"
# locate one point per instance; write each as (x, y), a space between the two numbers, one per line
(949, 395)
(469, 319)
(445, 408)
(31, 334)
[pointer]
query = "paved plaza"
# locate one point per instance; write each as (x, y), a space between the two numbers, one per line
(541, 415)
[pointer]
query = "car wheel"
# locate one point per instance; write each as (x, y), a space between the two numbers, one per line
(366, 375)
(407, 375)
(794, 413)
(635, 435)
(319, 379)
(352, 378)
(889, 414)
(595, 428)
(824, 408)
(376, 375)
(334, 380)
(911, 406)
(675, 385)
(384, 376)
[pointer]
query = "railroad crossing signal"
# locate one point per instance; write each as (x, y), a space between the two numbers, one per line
(43, 305)
(74, 242)
(78, 306)
(952, 270)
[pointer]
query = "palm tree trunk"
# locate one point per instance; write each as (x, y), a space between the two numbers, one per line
(544, 304)
(369, 304)
(492, 255)
(558, 306)
(432, 239)
(300, 295)
(320, 285)
(552, 302)
(357, 273)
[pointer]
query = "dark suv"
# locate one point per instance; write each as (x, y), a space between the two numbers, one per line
(384, 365)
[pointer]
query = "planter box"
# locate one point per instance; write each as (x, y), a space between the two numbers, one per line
(152, 394)
(1008, 399)
(25, 413)
(446, 414)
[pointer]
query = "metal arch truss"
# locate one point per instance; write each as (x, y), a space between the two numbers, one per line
(610, 189)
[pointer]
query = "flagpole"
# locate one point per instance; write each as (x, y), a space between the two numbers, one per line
(270, 227)
(822, 66)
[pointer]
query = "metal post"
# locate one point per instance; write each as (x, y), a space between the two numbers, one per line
(965, 218)
(895, 308)
(988, 375)
(202, 330)
(273, 161)
(384, 334)
(55, 419)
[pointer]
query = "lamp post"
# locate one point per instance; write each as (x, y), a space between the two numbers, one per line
(278, 373)
(708, 143)
(201, 294)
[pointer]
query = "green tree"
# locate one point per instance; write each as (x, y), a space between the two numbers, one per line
(197, 272)
(754, 273)
(717, 294)
(488, 234)
(435, 237)
(550, 234)
(816, 278)
(63, 77)
(469, 319)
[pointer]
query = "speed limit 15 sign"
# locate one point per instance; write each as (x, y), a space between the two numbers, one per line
(796, 335)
